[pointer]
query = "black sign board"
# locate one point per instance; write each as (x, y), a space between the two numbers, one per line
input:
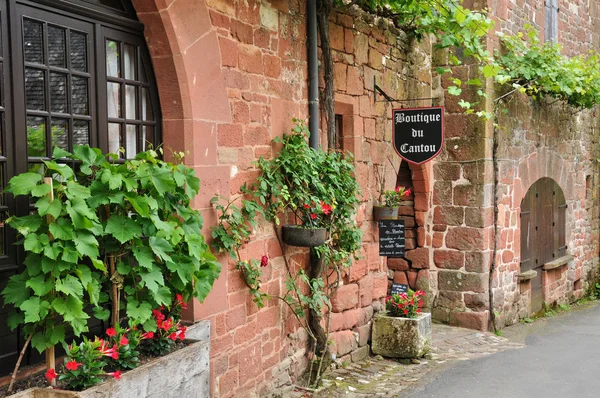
(391, 238)
(418, 133)
(398, 288)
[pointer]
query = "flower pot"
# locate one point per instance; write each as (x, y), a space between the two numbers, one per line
(183, 373)
(385, 213)
(297, 235)
(395, 337)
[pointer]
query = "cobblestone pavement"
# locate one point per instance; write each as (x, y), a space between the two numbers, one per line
(381, 377)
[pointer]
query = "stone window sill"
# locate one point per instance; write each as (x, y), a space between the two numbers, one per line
(559, 262)
(527, 275)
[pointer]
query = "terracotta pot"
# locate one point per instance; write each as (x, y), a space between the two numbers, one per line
(297, 235)
(385, 213)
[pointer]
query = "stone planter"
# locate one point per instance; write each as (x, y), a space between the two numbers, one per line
(401, 337)
(385, 213)
(296, 235)
(183, 373)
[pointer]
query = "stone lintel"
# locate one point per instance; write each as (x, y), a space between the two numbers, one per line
(559, 262)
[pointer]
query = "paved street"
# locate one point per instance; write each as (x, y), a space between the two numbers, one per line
(561, 359)
(556, 356)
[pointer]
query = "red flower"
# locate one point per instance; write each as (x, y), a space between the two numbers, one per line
(51, 375)
(405, 311)
(72, 365)
(407, 192)
(158, 315)
(264, 261)
(166, 325)
(307, 206)
(313, 216)
(326, 208)
(116, 375)
(398, 188)
(148, 335)
(179, 297)
(173, 336)
(111, 332)
(123, 340)
(115, 353)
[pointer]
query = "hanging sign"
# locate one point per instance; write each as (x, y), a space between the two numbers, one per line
(418, 133)
(391, 238)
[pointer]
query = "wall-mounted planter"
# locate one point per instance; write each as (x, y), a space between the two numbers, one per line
(297, 235)
(385, 213)
(395, 337)
(183, 373)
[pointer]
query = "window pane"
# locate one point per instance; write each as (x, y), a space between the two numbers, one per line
(147, 138)
(81, 132)
(33, 44)
(131, 141)
(56, 47)
(114, 137)
(146, 105)
(79, 98)
(113, 97)
(36, 136)
(129, 61)
(60, 134)
(58, 92)
(34, 89)
(78, 51)
(112, 59)
(130, 102)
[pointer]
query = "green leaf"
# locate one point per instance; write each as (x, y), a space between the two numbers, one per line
(89, 157)
(31, 309)
(15, 319)
(61, 229)
(196, 245)
(40, 190)
(36, 243)
(53, 250)
(63, 169)
(153, 279)
(161, 248)
(86, 244)
(453, 90)
(26, 224)
(144, 256)
(163, 296)
(80, 214)
(93, 290)
(69, 285)
(69, 253)
(45, 206)
(84, 274)
(98, 264)
(139, 313)
(38, 341)
(76, 190)
(16, 292)
(23, 184)
(55, 334)
(101, 313)
(59, 305)
(139, 203)
(160, 178)
(40, 285)
(122, 228)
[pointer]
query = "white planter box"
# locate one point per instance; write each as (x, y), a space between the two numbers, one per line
(395, 337)
(183, 373)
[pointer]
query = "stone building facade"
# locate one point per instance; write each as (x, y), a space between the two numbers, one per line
(233, 74)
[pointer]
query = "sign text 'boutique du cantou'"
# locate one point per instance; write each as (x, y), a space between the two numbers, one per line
(418, 133)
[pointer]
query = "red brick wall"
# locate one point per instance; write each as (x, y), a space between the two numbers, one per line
(231, 76)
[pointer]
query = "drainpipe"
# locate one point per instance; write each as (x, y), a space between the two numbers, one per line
(313, 74)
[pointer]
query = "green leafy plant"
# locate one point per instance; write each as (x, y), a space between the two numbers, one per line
(393, 198)
(405, 305)
(84, 364)
(120, 235)
(168, 331)
(124, 343)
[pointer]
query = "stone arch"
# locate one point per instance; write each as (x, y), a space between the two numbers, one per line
(191, 85)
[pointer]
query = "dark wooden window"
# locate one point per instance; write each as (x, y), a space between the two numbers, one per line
(339, 131)
(80, 73)
(543, 218)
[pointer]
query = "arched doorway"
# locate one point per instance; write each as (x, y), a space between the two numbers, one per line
(543, 216)
(71, 72)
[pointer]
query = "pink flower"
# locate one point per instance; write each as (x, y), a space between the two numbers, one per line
(116, 375)
(72, 365)
(51, 375)
(264, 261)
(313, 216)
(111, 332)
(407, 192)
(123, 340)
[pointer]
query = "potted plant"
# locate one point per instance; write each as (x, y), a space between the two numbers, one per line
(404, 332)
(391, 201)
(312, 231)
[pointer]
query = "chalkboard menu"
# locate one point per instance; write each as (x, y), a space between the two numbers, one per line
(398, 288)
(391, 238)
